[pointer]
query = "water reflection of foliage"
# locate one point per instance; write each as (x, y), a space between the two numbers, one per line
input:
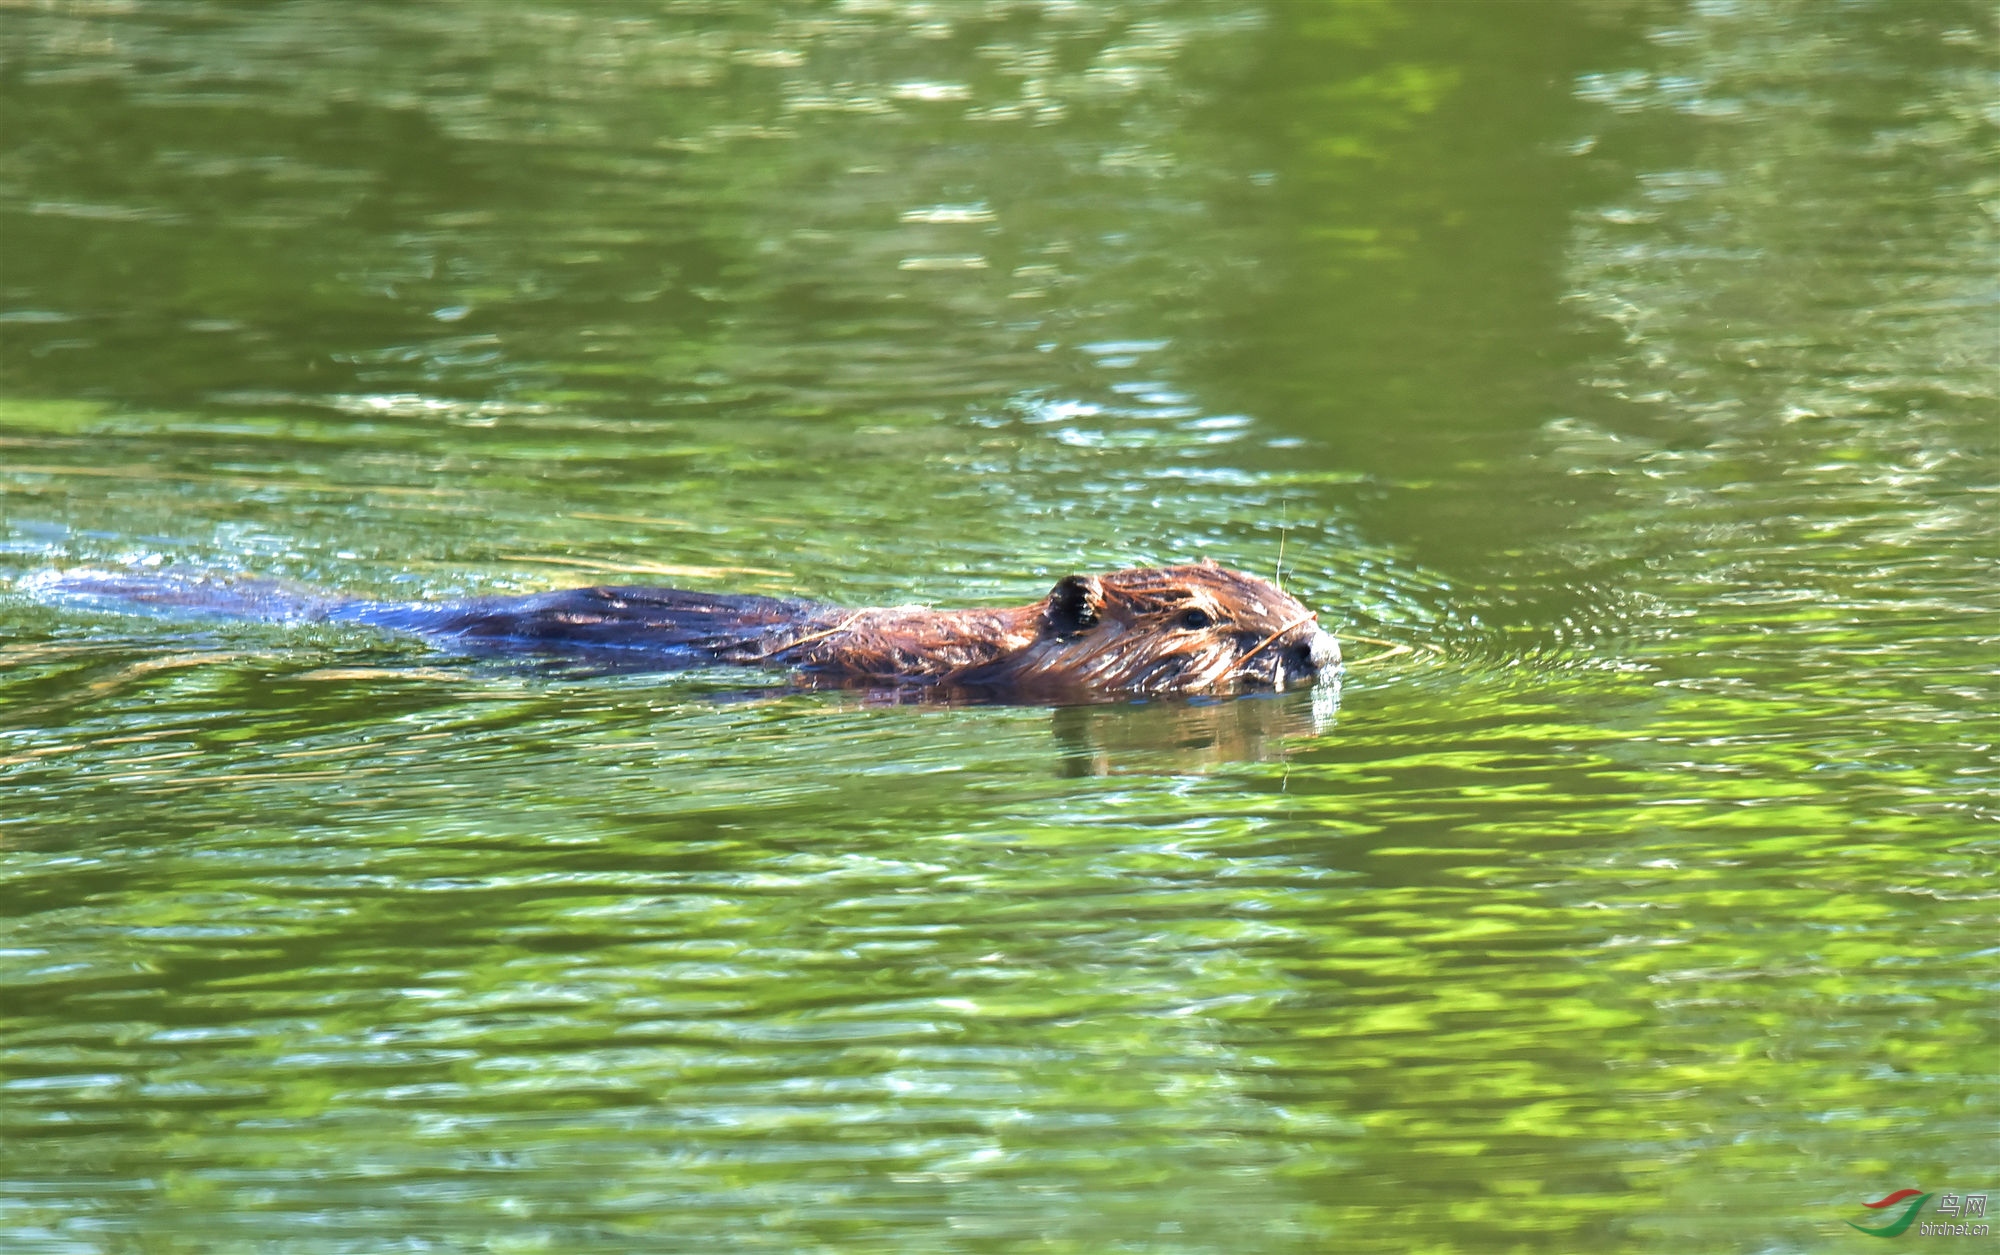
(1679, 941)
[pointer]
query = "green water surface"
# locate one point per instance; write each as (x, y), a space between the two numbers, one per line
(1620, 378)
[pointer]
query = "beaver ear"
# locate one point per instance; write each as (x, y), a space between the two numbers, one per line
(1075, 604)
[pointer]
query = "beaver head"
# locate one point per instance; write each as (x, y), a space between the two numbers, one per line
(1180, 629)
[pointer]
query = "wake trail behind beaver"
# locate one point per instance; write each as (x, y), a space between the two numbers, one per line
(172, 593)
(670, 626)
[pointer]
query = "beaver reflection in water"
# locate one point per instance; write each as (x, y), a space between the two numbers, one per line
(1155, 630)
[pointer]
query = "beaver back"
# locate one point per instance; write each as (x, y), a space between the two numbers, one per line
(701, 627)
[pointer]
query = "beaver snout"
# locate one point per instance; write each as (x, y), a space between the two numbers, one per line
(1310, 655)
(1321, 653)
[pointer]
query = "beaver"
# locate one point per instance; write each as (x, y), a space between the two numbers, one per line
(1200, 628)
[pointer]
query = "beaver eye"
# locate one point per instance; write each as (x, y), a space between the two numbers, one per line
(1195, 620)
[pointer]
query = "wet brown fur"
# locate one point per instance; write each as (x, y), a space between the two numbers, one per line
(1182, 629)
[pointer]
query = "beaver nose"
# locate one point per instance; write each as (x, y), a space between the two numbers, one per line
(1323, 650)
(1317, 653)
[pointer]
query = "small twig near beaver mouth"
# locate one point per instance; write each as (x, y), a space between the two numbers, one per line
(1390, 649)
(1301, 621)
(835, 630)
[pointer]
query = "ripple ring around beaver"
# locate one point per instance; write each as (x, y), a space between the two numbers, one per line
(1149, 631)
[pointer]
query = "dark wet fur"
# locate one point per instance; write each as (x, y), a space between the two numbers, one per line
(709, 627)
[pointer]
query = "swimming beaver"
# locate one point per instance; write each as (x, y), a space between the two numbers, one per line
(1180, 629)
